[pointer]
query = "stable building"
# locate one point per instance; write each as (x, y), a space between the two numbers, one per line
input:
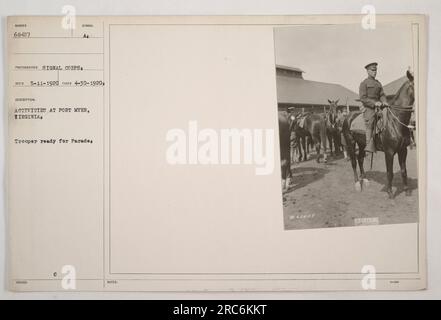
(294, 92)
(392, 88)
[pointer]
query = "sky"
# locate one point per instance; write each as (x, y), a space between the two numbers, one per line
(338, 53)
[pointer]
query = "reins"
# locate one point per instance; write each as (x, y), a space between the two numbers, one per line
(398, 108)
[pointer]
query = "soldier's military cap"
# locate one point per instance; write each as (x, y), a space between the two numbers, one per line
(372, 64)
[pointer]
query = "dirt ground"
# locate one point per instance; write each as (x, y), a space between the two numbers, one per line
(323, 195)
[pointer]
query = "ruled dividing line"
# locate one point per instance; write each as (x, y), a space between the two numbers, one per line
(100, 53)
(57, 86)
(89, 37)
(40, 70)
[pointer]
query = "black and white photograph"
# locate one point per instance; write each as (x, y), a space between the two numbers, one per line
(218, 154)
(348, 129)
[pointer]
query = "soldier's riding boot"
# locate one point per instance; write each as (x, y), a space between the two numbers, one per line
(370, 144)
(369, 116)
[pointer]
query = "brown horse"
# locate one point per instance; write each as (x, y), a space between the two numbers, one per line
(332, 130)
(393, 139)
(296, 151)
(285, 148)
(341, 116)
(314, 130)
(299, 136)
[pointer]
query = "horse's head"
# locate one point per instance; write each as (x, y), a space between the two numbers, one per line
(333, 104)
(410, 91)
(331, 114)
(405, 97)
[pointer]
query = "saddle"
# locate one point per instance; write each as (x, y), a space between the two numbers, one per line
(357, 125)
(301, 120)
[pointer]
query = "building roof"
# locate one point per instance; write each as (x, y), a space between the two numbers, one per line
(393, 87)
(279, 66)
(300, 91)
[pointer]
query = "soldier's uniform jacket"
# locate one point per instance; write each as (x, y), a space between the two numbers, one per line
(371, 91)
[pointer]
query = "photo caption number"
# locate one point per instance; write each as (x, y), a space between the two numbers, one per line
(220, 310)
(236, 309)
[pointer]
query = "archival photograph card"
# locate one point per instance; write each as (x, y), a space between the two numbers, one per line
(216, 153)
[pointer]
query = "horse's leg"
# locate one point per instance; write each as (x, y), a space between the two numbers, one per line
(389, 156)
(298, 147)
(323, 141)
(343, 146)
(317, 149)
(325, 155)
(402, 155)
(292, 152)
(330, 143)
(336, 147)
(338, 142)
(305, 153)
(351, 149)
(288, 175)
(293, 149)
(351, 143)
(361, 155)
(308, 144)
(283, 172)
(304, 147)
(412, 140)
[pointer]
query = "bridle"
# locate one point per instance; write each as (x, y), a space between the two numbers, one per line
(331, 118)
(402, 109)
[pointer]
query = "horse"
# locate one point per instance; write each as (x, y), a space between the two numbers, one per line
(300, 137)
(332, 130)
(314, 130)
(285, 127)
(341, 116)
(296, 156)
(393, 139)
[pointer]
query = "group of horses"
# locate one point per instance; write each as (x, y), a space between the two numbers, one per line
(317, 130)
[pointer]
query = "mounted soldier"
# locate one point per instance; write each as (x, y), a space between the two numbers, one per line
(372, 97)
(394, 136)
